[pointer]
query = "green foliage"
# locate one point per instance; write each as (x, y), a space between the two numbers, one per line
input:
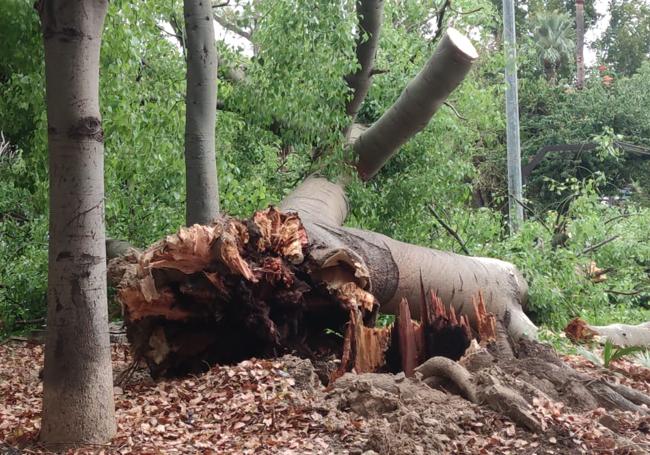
(625, 44)
(552, 115)
(611, 353)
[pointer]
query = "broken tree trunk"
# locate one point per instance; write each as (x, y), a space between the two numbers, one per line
(272, 284)
(618, 334)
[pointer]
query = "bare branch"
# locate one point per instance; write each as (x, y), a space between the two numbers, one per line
(441, 18)
(449, 229)
(173, 35)
(451, 106)
(232, 27)
(375, 71)
(599, 244)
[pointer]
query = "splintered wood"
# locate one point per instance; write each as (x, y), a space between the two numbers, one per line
(240, 289)
(440, 333)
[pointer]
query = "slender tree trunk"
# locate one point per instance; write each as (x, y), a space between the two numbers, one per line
(202, 190)
(444, 71)
(77, 384)
(370, 15)
(580, 43)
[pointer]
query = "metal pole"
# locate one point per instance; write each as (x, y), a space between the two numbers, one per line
(516, 211)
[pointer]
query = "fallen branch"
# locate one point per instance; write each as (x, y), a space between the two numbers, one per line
(599, 244)
(618, 334)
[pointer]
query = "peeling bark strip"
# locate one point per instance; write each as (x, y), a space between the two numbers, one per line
(444, 71)
(77, 383)
(202, 189)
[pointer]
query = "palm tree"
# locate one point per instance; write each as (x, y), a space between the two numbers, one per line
(554, 41)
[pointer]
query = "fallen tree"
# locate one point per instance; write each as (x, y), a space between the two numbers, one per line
(294, 279)
(350, 264)
(285, 268)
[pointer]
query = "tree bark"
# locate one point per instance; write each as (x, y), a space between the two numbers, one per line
(412, 111)
(370, 15)
(202, 190)
(77, 384)
(580, 43)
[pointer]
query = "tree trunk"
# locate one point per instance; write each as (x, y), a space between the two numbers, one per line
(393, 269)
(77, 384)
(370, 16)
(202, 190)
(580, 43)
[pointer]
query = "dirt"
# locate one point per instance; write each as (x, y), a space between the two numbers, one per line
(281, 406)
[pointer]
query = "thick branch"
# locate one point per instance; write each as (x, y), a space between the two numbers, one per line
(444, 71)
(618, 334)
(370, 17)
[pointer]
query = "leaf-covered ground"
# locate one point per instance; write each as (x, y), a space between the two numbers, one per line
(278, 406)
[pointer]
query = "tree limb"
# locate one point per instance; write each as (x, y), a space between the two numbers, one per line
(232, 27)
(599, 244)
(440, 18)
(370, 16)
(412, 111)
(536, 159)
(453, 109)
(449, 229)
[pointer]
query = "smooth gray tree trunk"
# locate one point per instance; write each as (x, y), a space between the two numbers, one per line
(202, 189)
(392, 270)
(78, 403)
(412, 111)
(370, 15)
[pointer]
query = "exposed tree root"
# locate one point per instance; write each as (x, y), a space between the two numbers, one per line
(514, 386)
